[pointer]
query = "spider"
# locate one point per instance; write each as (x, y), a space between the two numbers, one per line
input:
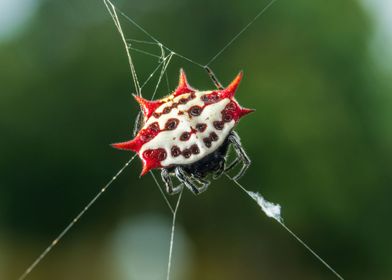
(187, 134)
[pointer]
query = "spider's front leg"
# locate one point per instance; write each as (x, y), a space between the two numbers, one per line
(242, 156)
(213, 78)
(188, 181)
(166, 178)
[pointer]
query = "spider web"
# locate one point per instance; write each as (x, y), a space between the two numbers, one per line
(163, 59)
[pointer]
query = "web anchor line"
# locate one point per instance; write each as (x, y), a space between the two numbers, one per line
(169, 261)
(262, 11)
(113, 13)
(162, 193)
(269, 210)
(73, 222)
(242, 31)
(174, 213)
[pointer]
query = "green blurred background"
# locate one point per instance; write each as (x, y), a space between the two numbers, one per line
(318, 73)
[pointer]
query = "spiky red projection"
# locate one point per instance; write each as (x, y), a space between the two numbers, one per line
(185, 126)
(147, 107)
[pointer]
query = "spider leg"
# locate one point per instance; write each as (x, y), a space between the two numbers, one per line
(204, 183)
(220, 170)
(138, 123)
(242, 156)
(166, 178)
(232, 165)
(188, 181)
(213, 77)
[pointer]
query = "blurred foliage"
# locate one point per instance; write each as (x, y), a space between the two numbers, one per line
(320, 140)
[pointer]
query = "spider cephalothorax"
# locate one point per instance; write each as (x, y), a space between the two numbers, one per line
(188, 133)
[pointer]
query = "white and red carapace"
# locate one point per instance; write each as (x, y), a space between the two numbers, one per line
(185, 126)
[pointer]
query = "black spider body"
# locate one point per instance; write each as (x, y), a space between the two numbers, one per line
(211, 164)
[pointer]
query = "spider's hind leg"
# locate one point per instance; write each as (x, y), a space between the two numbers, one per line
(219, 171)
(170, 189)
(204, 184)
(242, 156)
(232, 165)
(189, 181)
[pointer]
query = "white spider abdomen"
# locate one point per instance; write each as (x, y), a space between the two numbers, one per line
(185, 126)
